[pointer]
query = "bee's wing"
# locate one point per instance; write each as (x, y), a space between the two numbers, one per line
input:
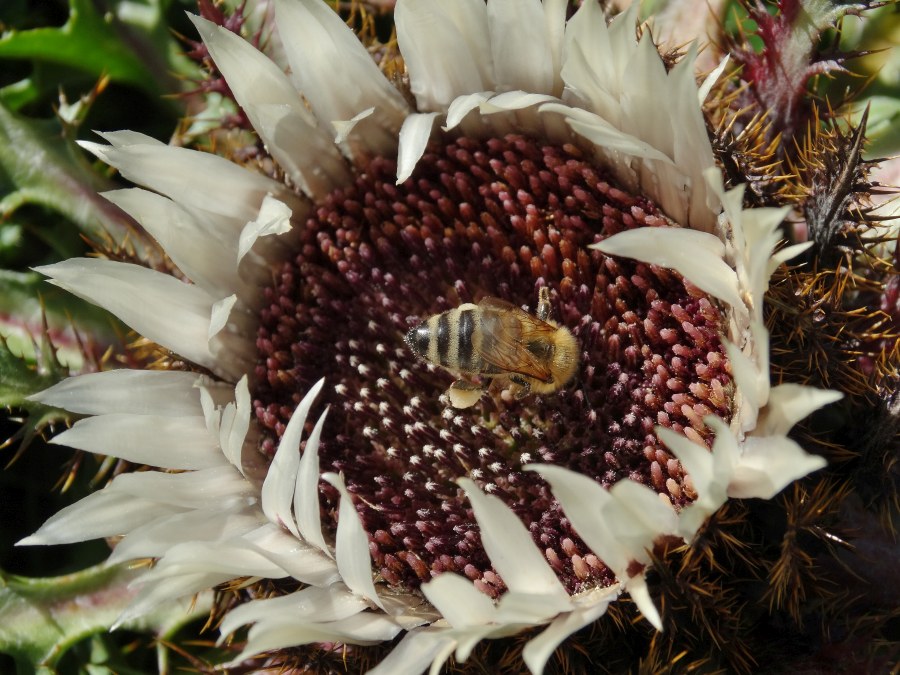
(511, 331)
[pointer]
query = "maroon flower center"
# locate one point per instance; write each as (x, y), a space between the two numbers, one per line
(500, 217)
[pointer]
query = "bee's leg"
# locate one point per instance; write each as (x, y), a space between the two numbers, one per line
(464, 394)
(543, 306)
(524, 386)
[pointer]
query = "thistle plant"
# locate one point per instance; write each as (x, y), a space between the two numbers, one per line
(215, 378)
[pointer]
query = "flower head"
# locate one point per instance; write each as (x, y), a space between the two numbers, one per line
(304, 443)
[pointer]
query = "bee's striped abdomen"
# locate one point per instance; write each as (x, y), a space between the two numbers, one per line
(465, 354)
(450, 339)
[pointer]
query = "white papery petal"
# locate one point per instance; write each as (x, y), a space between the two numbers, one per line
(414, 136)
(278, 488)
(692, 150)
(787, 253)
(352, 545)
(101, 514)
(711, 472)
(788, 404)
(607, 526)
(154, 539)
(711, 79)
(468, 639)
(462, 106)
(416, 651)
(219, 315)
(194, 179)
(156, 440)
(343, 129)
(303, 562)
(234, 424)
(513, 100)
(156, 305)
(643, 80)
(231, 557)
(157, 591)
(306, 490)
(762, 226)
(203, 255)
(517, 608)
(588, 68)
(750, 368)
(446, 48)
(520, 47)
(640, 594)
(459, 602)
(604, 135)
(698, 463)
(768, 464)
(323, 51)
(644, 515)
(697, 256)
(539, 650)
(276, 111)
(555, 23)
(510, 547)
(274, 218)
(139, 392)
(363, 628)
(203, 488)
(320, 604)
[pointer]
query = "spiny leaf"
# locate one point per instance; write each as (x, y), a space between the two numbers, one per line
(41, 618)
(98, 44)
(41, 167)
(779, 73)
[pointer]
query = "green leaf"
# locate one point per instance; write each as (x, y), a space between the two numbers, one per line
(41, 618)
(101, 44)
(26, 299)
(30, 364)
(44, 168)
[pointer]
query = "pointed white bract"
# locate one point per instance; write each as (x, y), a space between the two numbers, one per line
(276, 111)
(192, 245)
(278, 488)
(322, 50)
(698, 256)
(146, 392)
(474, 68)
(198, 181)
(156, 305)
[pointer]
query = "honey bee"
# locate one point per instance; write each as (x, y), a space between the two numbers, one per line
(499, 342)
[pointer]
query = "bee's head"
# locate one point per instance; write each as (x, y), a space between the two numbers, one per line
(418, 338)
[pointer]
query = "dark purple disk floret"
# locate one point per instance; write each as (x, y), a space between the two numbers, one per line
(498, 217)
